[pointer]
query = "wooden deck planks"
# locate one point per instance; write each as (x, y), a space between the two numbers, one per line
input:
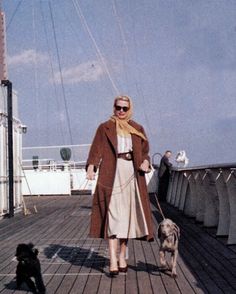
(152, 267)
(13, 239)
(143, 280)
(73, 263)
(131, 285)
(210, 260)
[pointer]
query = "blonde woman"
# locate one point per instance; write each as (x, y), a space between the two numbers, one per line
(121, 207)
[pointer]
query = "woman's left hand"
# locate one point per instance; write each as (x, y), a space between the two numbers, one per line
(145, 166)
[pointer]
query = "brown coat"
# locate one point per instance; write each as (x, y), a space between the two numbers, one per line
(103, 154)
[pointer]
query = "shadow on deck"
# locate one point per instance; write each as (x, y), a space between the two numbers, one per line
(73, 263)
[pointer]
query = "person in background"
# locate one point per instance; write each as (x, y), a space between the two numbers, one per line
(164, 175)
(121, 206)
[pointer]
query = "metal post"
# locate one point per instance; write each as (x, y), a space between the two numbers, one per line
(8, 84)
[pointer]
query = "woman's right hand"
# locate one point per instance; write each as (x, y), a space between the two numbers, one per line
(90, 173)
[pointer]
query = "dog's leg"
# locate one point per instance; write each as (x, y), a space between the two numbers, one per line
(162, 259)
(39, 284)
(174, 263)
(19, 280)
(30, 284)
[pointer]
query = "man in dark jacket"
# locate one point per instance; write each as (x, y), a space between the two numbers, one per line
(164, 175)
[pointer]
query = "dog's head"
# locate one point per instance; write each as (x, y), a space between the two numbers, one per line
(167, 227)
(26, 252)
(181, 155)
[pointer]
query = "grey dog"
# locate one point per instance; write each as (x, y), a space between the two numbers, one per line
(169, 234)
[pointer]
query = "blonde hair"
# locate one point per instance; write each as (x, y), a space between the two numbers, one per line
(123, 98)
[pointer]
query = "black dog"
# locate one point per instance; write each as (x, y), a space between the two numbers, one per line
(28, 267)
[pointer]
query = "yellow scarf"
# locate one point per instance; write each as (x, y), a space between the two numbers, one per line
(123, 128)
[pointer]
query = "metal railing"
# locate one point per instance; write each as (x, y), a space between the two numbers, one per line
(207, 193)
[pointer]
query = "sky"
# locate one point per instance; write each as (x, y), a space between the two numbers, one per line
(176, 59)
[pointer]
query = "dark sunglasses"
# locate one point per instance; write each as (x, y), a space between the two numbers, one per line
(118, 108)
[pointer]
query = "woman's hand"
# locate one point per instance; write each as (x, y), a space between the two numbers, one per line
(90, 172)
(145, 166)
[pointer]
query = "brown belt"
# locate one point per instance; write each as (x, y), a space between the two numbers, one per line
(126, 155)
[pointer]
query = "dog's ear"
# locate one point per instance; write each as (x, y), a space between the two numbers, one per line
(31, 245)
(159, 231)
(36, 252)
(19, 249)
(176, 229)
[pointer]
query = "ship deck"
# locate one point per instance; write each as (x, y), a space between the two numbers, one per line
(74, 263)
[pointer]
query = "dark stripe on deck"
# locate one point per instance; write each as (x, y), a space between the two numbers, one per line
(73, 263)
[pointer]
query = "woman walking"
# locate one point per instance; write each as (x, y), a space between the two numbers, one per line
(121, 207)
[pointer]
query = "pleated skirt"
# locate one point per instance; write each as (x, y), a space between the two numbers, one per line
(126, 217)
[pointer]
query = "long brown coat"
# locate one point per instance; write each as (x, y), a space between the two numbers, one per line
(103, 154)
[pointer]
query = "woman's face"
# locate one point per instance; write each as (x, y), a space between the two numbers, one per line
(120, 109)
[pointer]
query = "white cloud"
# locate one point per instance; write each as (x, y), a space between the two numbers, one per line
(84, 72)
(27, 57)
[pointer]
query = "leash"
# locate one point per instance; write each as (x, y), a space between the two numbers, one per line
(125, 184)
(156, 197)
(159, 206)
(118, 187)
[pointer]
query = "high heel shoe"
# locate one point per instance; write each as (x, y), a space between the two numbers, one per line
(114, 272)
(123, 269)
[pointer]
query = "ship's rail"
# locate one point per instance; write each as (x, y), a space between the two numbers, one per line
(208, 194)
(17, 154)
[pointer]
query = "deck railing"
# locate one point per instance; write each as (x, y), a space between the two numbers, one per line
(207, 193)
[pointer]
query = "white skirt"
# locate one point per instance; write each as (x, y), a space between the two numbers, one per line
(125, 214)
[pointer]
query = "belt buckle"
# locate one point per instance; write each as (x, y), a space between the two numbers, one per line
(128, 156)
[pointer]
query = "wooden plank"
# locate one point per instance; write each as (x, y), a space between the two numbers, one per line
(96, 272)
(143, 280)
(85, 269)
(195, 284)
(56, 282)
(105, 283)
(8, 266)
(118, 284)
(214, 258)
(152, 267)
(205, 264)
(71, 271)
(131, 277)
(214, 262)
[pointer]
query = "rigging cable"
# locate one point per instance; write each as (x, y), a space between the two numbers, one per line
(61, 76)
(125, 51)
(84, 22)
(51, 66)
(124, 42)
(120, 26)
(138, 88)
(13, 15)
(36, 83)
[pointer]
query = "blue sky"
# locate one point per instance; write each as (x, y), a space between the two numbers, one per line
(67, 60)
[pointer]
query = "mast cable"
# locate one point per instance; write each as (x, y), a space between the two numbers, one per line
(84, 22)
(13, 15)
(61, 76)
(36, 83)
(51, 66)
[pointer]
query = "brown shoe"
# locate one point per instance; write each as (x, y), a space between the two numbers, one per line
(114, 272)
(123, 269)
